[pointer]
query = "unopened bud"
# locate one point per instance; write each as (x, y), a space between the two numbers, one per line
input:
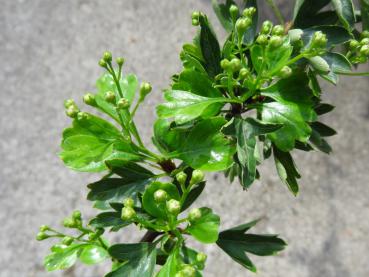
(194, 214)
(68, 103)
(128, 202)
(188, 271)
(364, 50)
(249, 12)
(235, 64)
(107, 57)
(201, 257)
(41, 236)
(365, 34)
(181, 178)
(123, 103)
(278, 30)
(69, 223)
(128, 213)
(195, 15)
(89, 99)
(195, 22)
(173, 206)
(120, 61)
(44, 228)
(319, 40)
(72, 111)
(160, 195)
(67, 240)
(82, 116)
(234, 11)
(354, 44)
(110, 97)
(225, 64)
(197, 176)
(102, 63)
(262, 39)
(285, 72)
(244, 73)
(76, 215)
(266, 27)
(275, 41)
(242, 24)
(145, 89)
(364, 41)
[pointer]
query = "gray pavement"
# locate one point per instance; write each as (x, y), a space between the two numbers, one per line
(49, 52)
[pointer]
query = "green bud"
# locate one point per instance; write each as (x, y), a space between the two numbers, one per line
(44, 228)
(262, 39)
(195, 15)
(319, 64)
(110, 97)
(364, 41)
(160, 195)
(82, 116)
(72, 111)
(365, 34)
(123, 103)
(285, 72)
(107, 57)
(76, 215)
(41, 236)
(195, 22)
(249, 12)
(69, 223)
(194, 214)
(68, 103)
(197, 176)
(319, 40)
(242, 24)
(128, 213)
(89, 99)
(354, 44)
(278, 30)
(188, 271)
(67, 240)
(235, 64)
(102, 63)
(244, 73)
(201, 257)
(145, 89)
(364, 50)
(173, 206)
(234, 11)
(120, 61)
(181, 178)
(179, 274)
(275, 41)
(225, 64)
(266, 27)
(128, 202)
(57, 247)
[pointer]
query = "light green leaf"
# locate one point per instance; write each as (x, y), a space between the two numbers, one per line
(93, 254)
(205, 229)
(345, 12)
(171, 266)
(184, 106)
(62, 258)
(276, 58)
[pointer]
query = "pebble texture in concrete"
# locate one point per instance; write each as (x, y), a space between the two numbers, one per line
(49, 52)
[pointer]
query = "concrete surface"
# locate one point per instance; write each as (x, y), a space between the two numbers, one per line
(49, 52)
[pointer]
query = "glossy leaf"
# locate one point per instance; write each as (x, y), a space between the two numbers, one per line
(292, 107)
(63, 258)
(306, 13)
(345, 12)
(171, 266)
(205, 229)
(276, 58)
(338, 64)
(109, 219)
(93, 254)
(184, 106)
(335, 34)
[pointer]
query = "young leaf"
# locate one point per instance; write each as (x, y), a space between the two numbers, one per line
(184, 106)
(292, 107)
(140, 259)
(205, 229)
(62, 258)
(90, 142)
(236, 243)
(286, 169)
(171, 266)
(276, 58)
(345, 12)
(93, 254)
(222, 12)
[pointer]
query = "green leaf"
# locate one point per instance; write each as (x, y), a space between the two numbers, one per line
(306, 13)
(257, 54)
(365, 14)
(205, 147)
(250, 33)
(286, 169)
(236, 243)
(109, 219)
(338, 64)
(276, 58)
(140, 259)
(222, 12)
(322, 129)
(323, 108)
(335, 34)
(167, 139)
(292, 107)
(205, 229)
(129, 171)
(62, 258)
(151, 206)
(209, 48)
(184, 106)
(90, 142)
(319, 142)
(93, 254)
(171, 266)
(345, 12)
(193, 195)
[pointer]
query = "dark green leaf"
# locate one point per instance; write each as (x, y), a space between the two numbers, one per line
(109, 219)
(167, 139)
(338, 64)
(129, 171)
(222, 12)
(335, 34)
(205, 229)
(319, 143)
(345, 12)
(193, 195)
(322, 129)
(306, 12)
(365, 13)
(323, 108)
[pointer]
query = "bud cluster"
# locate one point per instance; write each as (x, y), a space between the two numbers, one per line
(128, 211)
(359, 50)
(271, 35)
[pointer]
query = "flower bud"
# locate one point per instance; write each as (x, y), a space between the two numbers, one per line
(160, 195)
(67, 240)
(262, 39)
(235, 64)
(120, 61)
(244, 73)
(41, 236)
(89, 99)
(179, 274)
(128, 202)
(173, 206)
(188, 271)
(278, 30)
(123, 103)
(76, 215)
(102, 63)
(365, 34)
(107, 57)
(145, 89)
(82, 116)
(266, 27)
(110, 97)
(242, 24)
(68, 103)
(197, 176)
(201, 257)
(44, 228)
(181, 178)
(195, 22)
(285, 72)
(72, 111)
(225, 64)
(275, 41)
(319, 40)
(354, 44)
(364, 50)
(128, 213)
(69, 223)
(364, 41)
(194, 214)
(195, 15)
(249, 12)
(233, 10)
